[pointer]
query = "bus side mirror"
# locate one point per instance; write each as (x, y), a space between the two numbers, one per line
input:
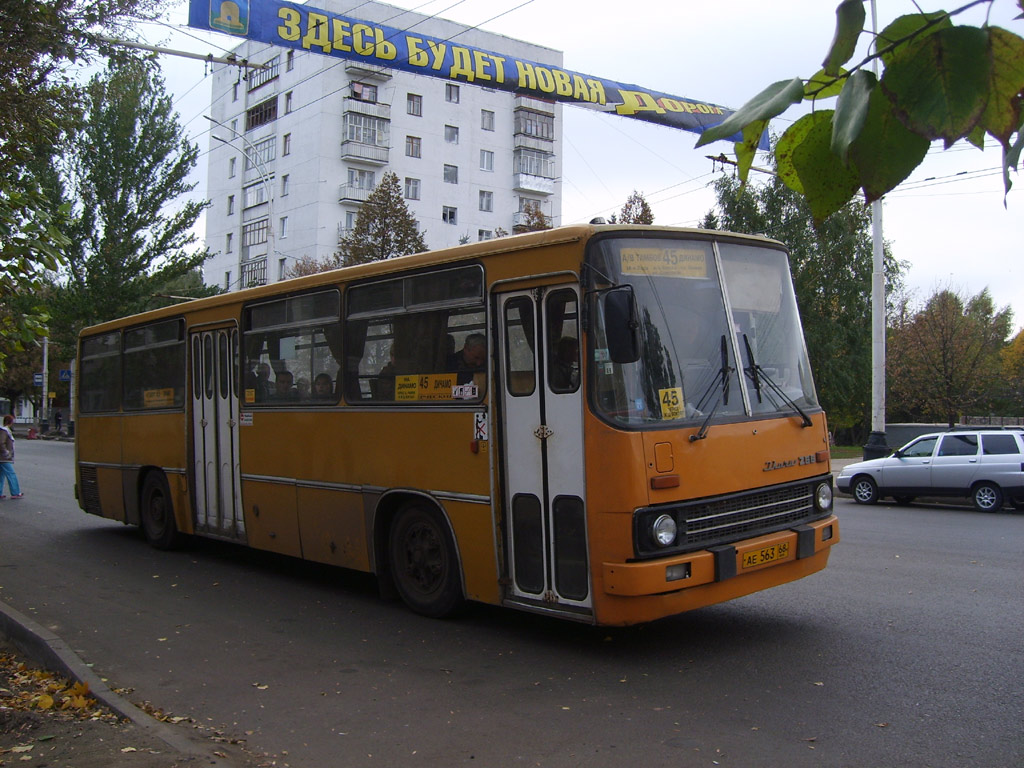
(620, 325)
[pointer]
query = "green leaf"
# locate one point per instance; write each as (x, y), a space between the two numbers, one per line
(977, 137)
(1011, 156)
(772, 101)
(746, 149)
(908, 29)
(822, 86)
(939, 86)
(849, 24)
(851, 111)
(825, 181)
(886, 151)
(1003, 111)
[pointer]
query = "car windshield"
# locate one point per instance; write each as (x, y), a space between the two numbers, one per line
(719, 332)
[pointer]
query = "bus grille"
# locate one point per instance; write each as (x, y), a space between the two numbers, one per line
(725, 519)
(89, 490)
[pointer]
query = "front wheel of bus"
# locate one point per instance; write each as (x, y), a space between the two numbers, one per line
(865, 490)
(423, 563)
(156, 513)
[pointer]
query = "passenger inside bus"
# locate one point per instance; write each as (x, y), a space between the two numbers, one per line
(470, 359)
(283, 389)
(323, 387)
(565, 368)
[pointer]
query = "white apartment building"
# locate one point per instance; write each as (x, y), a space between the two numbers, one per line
(296, 148)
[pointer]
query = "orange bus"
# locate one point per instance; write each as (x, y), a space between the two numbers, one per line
(604, 423)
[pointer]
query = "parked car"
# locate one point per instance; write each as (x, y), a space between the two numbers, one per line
(985, 465)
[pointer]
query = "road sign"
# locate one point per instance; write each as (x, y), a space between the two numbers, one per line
(64, 374)
(37, 379)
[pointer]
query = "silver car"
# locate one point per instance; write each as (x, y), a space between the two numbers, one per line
(985, 465)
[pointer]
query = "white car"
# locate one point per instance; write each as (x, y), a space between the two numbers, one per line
(985, 465)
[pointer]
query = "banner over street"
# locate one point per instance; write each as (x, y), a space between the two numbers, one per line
(304, 28)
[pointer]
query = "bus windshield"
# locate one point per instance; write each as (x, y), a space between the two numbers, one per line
(718, 329)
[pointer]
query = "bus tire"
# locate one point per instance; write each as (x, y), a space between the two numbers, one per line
(865, 490)
(156, 513)
(423, 562)
(987, 497)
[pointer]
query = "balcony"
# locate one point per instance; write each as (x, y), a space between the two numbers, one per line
(369, 108)
(359, 70)
(366, 153)
(254, 272)
(527, 182)
(520, 221)
(349, 193)
(534, 105)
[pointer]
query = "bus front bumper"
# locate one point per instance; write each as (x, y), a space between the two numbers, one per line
(741, 568)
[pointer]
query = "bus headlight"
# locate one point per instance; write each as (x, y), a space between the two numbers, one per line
(663, 531)
(823, 497)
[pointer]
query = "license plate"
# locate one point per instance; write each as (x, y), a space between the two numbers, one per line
(764, 555)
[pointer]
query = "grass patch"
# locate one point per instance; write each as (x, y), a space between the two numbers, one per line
(847, 451)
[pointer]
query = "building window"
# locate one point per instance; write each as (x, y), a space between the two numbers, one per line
(281, 268)
(451, 134)
(282, 230)
(535, 163)
(231, 168)
(234, 92)
(285, 185)
(367, 130)
(486, 201)
(286, 144)
(255, 232)
(260, 153)
(350, 220)
(288, 103)
(486, 160)
(451, 174)
(263, 113)
(289, 64)
(255, 194)
(364, 92)
(535, 124)
(258, 77)
(451, 93)
(231, 205)
(229, 242)
(487, 119)
(450, 215)
(414, 104)
(412, 189)
(484, 234)
(227, 280)
(360, 179)
(413, 146)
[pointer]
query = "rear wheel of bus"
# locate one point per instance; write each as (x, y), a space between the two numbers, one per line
(156, 513)
(424, 565)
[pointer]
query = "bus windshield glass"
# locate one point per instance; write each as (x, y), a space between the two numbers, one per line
(718, 330)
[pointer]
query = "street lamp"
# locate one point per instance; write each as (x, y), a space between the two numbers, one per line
(264, 177)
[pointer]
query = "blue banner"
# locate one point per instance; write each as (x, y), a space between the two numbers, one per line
(305, 28)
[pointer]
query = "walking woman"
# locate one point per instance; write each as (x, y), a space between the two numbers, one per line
(7, 459)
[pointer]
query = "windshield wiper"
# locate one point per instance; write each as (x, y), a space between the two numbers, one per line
(723, 392)
(756, 373)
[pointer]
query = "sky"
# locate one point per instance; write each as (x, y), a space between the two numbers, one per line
(947, 221)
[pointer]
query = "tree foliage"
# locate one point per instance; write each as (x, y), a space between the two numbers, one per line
(125, 172)
(384, 228)
(944, 359)
(940, 81)
(534, 219)
(636, 210)
(832, 266)
(39, 101)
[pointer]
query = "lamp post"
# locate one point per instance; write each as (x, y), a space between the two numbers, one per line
(264, 177)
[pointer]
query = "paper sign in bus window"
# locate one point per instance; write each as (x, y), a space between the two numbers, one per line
(664, 262)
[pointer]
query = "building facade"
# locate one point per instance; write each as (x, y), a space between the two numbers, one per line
(297, 146)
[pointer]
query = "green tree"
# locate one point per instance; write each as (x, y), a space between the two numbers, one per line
(831, 267)
(944, 359)
(126, 173)
(940, 81)
(39, 101)
(636, 210)
(384, 228)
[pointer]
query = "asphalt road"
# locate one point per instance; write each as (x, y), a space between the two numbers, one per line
(906, 651)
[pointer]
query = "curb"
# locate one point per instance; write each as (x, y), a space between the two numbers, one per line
(50, 651)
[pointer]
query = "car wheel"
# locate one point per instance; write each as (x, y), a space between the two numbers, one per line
(423, 562)
(865, 490)
(987, 497)
(904, 500)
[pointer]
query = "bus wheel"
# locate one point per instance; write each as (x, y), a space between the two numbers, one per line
(423, 562)
(987, 497)
(865, 490)
(156, 513)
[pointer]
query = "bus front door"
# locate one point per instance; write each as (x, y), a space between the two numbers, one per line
(545, 527)
(218, 507)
